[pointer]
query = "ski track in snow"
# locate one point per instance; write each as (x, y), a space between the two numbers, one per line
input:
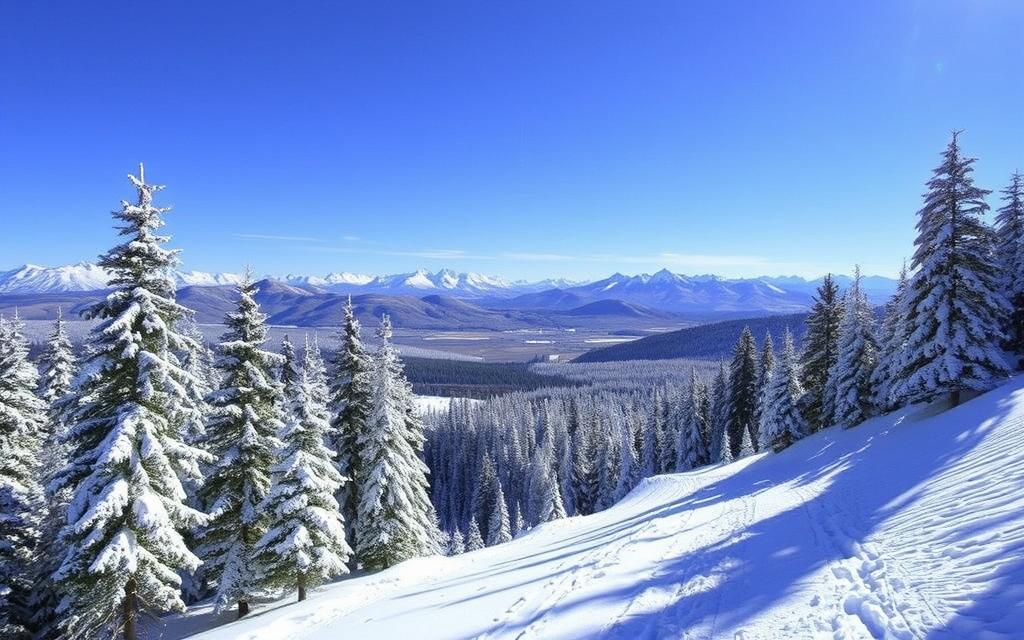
(909, 526)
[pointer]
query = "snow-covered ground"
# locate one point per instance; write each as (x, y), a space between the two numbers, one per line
(434, 403)
(908, 526)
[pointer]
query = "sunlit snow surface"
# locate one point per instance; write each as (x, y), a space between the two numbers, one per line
(905, 527)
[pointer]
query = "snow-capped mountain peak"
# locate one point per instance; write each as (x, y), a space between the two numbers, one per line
(31, 278)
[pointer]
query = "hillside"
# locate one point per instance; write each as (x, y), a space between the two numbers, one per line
(709, 341)
(910, 525)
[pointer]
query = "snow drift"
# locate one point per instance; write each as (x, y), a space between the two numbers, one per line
(910, 525)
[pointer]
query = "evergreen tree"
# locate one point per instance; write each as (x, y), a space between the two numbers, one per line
(456, 544)
(719, 414)
(892, 339)
(473, 539)
(289, 374)
(349, 405)
(849, 383)
(692, 443)
(746, 446)
(1010, 255)
(781, 421)
(764, 372)
(544, 487)
(725, 453)
(393, 520)
(22, 420)
(954, 308)
(241, 433)
(59, 366)
(743, 394)
(305, 540)
(499, 528)
(59, 370)
(629, 464)
(128, 459)
(821, 350)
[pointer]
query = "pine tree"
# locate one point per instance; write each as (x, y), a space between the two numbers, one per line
(304, 544)
(456, 543)
(743, 394)
(954, 308)
(746, 446)
(719, 415)
(393, 520)
(850, 381)
(892, 339)
(349, 404)
(725, 453)
(245, 418)
(289, 374)
(59, 370)
(546, 495)
(473, 539)
(764, 372)
(499, 528)
(781, 421)
(692, 443)
(629, 464)
(58, 362)
(820, 351)
(128, 458)
(22, 420)
(1010, 255)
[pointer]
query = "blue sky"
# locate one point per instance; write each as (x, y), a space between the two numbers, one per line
(519, 139)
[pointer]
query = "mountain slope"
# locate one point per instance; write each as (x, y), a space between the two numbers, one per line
(910, 525)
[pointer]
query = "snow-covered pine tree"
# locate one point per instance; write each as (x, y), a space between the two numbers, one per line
(719, 414)
(22, 424)
(692, 448)
(349, 405)
(393, 520)
(782, 424)
(665, 447)
(743, 392)
(485, 491)
(1010, 255)
(954, 309)
(746, 446)
(288, 375)
(546, 496)
(246, 415)
(304, 544)
(59, 371)
(764, 371)
(499, 528)
(820, 349)
(849, 383)
(456, 543)
(629, 464)
(474, 540)
(725, 453)
(58, 363)
(128, 458)
(892, 338)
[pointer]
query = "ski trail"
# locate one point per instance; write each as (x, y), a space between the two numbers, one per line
(528, 616)
(859, 578)
(672, 608)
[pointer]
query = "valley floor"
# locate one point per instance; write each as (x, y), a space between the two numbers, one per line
(909, 526)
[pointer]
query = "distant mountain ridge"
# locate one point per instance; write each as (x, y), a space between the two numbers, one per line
(705, 295)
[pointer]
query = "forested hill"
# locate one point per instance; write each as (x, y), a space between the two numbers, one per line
(709, 341)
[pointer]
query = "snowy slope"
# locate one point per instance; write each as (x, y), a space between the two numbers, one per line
(907, 526)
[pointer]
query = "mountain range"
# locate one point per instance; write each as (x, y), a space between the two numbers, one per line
(306, 299)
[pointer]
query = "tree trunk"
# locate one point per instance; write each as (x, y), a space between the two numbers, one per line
(129, 613)
(243, 608)
(302, 587)
(954, 398)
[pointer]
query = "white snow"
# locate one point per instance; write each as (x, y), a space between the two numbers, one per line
(910, 525)
(435, 403)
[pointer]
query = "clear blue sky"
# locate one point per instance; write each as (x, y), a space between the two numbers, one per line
(517, 138)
